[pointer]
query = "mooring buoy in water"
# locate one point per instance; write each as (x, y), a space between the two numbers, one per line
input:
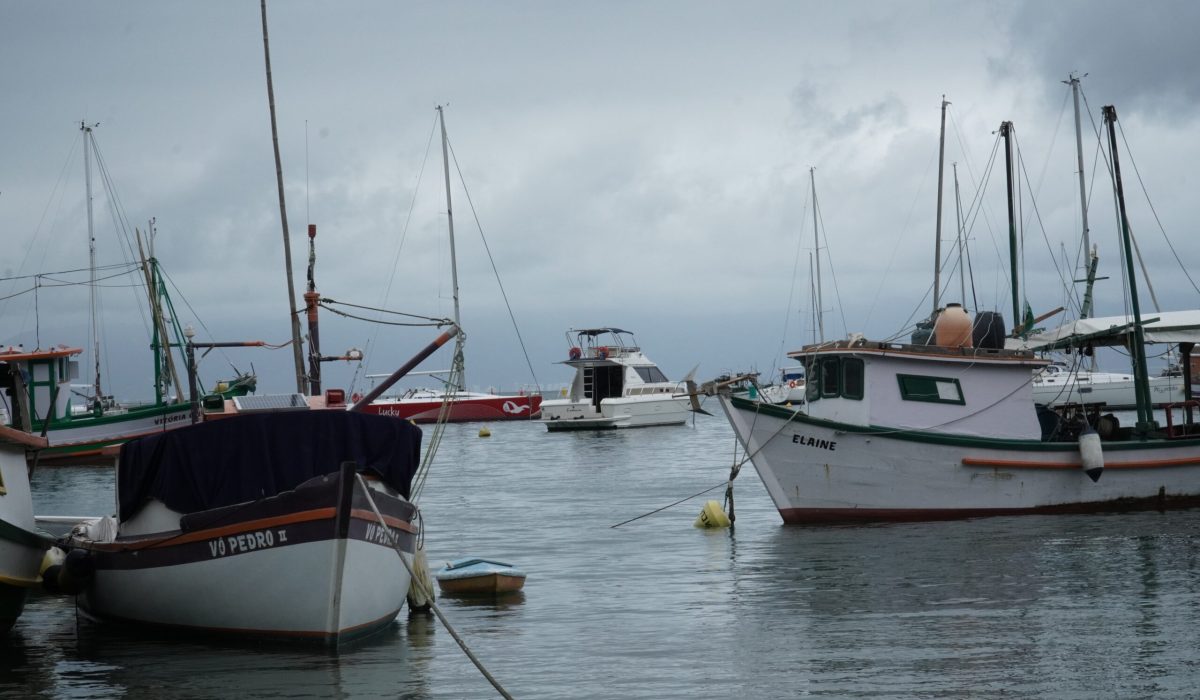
(1091, 454)
(712, 515)
(484, 432)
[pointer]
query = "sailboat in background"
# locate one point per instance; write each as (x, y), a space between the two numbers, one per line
(42, 391)
(458, 404)
(1068, 382)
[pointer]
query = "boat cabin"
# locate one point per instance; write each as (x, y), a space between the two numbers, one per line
(609, 364)
(951, 390)
(38, 384)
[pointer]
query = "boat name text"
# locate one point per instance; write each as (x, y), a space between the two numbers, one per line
(246, 542)
(798, 439)
(172, 418)
(378, 534)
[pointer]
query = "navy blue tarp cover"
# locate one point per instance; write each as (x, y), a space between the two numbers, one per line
(248, 457)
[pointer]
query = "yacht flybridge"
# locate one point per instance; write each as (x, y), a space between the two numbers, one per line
(615, 386)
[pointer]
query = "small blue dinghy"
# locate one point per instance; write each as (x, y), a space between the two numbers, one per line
(476, 576)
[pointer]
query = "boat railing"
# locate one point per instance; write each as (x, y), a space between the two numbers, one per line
(1185, 429)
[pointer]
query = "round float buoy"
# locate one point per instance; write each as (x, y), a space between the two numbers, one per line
(484, 432)
(712, 516)
(791, 383)
(574, 353)
(355, 397)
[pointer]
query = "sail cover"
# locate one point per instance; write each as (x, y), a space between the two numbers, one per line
(248, 457)
(1164, 327)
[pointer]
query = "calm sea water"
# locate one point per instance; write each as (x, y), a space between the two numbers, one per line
(1048, 607)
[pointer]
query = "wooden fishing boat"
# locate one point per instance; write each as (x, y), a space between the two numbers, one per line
(949, 429)
(262, 524)
(479, 577)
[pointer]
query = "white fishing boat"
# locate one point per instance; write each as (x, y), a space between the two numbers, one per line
(900, 432)
(615, 386)
(21, 545)
(277, 521)
(1059, 384)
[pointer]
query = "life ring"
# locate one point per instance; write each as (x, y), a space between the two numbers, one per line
(355, 397)
(791, 383)
(574, 353)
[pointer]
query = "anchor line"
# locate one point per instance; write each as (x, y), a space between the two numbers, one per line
(429, 594)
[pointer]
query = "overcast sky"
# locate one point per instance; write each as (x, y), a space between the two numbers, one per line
(636, 164)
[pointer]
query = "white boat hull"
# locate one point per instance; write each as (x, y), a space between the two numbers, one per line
(623, 412)
(1113, 393)
(21, 547)
(820, 471)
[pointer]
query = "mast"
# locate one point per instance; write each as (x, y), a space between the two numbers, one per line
(812, 173)
(962, 269)
(297, 353)
(812, 295)
(1086, 308)
(1006, 134)
(87, 179)
(1141, 377)
(937, 246)
(450, 224)
(1074, 83)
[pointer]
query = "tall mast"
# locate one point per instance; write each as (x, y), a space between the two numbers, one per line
(812, 295)
(297, 353)
(1006, 134)
(450, 224)
(937, 245)
(962, 269)
(1141, 376)
(87, 179)
(812, 174)
(1090, 266)
(1087, 245)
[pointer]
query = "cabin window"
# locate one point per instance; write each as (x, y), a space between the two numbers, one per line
(852, 378)
(931, 389)
(651, 374)
(830, 376)
(812, 388)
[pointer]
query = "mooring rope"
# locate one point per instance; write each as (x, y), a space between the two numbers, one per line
(429, 593)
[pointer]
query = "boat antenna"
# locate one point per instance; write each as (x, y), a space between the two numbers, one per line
(461, 379)
(297, 353)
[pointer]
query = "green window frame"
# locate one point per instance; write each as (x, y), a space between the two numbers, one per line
(853, 376)
(917, 387)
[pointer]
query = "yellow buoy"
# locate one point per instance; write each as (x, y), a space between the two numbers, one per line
(484, 432)
(712, 515)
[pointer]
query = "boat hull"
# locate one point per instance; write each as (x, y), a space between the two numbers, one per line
(624, 412)
(820, 471)
(1114, 394)
(484, 584)
(312, 564)
(80, 440)
(489, 408)
(21, 547)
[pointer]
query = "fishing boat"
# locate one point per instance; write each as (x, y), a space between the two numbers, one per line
(80, 421)
(615, 386)
(479, 577)
(452, 399)
(21, 545)
(896, 431)
(279, 521)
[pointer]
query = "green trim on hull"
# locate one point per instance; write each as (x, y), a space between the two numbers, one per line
(943, 439)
